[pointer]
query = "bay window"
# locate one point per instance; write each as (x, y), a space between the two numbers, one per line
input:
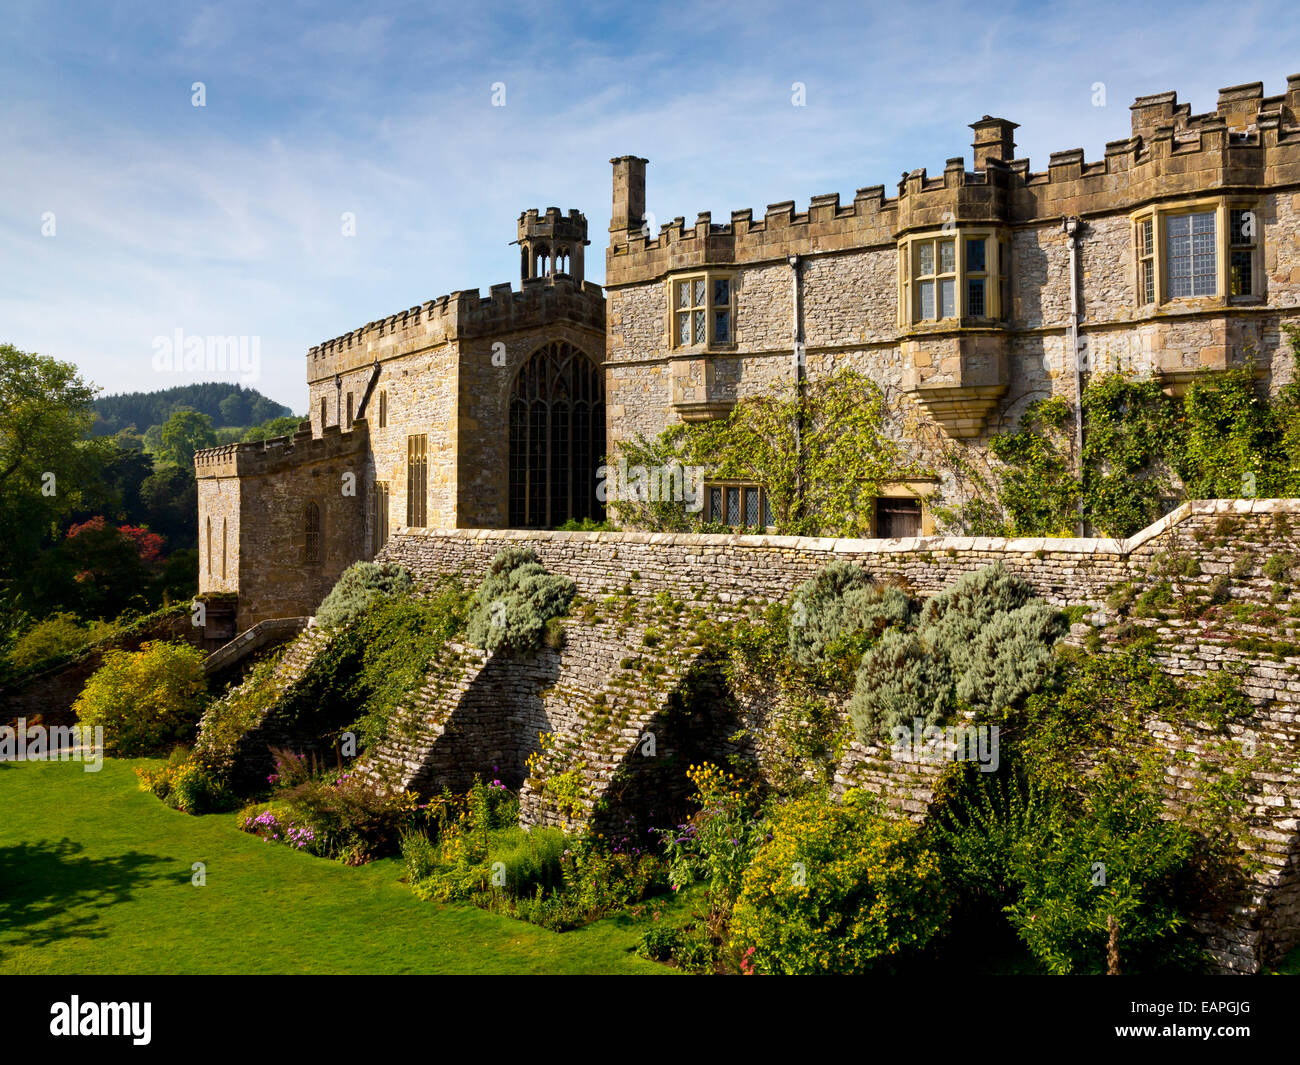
(953, 275)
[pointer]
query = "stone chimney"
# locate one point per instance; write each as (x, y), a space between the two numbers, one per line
(629, 194)
(994, 139)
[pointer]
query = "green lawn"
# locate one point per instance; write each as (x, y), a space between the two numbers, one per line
(95, 877)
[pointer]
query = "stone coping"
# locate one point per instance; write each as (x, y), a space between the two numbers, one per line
(918, 544)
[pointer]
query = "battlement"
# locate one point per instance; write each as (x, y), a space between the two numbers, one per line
(281, 453)
(553, 223)
(460, 315)
(1249, 140)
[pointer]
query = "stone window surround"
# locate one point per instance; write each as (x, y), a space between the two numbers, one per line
(709, 276)
(417, 480)
(1159, 214)
(380, 503)
(724, 483)
(918, 490)
(996, 272)
(313, 543)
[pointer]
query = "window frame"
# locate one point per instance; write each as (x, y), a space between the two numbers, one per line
(313, 541)
(676, 309)
(1158, 215)
(995, 274)
(380, 496)
(767, 520)
(417, 481)
(919, 492)
(1250, 248)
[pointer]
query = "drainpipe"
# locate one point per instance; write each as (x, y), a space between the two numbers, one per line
(1072, 227)
(796, 341)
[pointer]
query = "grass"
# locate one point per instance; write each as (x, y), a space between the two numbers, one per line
(95, 878)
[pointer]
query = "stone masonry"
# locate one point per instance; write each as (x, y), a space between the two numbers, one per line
(807, 293)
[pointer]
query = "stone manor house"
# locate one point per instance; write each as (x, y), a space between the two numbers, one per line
(966, 294)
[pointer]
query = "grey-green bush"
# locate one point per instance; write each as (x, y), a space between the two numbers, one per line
(899, 679)
(1009, 657)
(515, 601)
(986, 642)
(359, 586)
(841, 600)
(953, 619)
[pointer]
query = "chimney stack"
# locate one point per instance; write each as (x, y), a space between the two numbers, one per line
(629, 194)
(994, 139)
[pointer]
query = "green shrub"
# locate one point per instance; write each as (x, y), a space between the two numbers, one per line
(838, 889)
(186, 784)
(985, 641)
(419, 854)
(1115, 874)
(531, 861)
(952, 619)
(515, 601)
(52, 638)
(980, 821)
(348, 819)
(359, 586)
(1279, 566)
(145, 700)
(660, 942)
(717, 843)
(900, 679)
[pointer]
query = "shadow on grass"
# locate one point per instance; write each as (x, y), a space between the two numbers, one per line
(49, 892)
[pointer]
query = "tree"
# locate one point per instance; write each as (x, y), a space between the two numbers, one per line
(274, 427)
(186, 432)
(169, 503)
(46, 462)
(234, 409)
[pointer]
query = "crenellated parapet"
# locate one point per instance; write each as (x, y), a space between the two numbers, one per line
(826, 226)
(461, 315)
(282, 453)
(1250, 141)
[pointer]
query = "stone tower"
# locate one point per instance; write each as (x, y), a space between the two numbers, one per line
(551, 244)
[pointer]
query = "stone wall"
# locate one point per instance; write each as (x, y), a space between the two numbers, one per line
(262, 490)
(606, 701)
(732, 568)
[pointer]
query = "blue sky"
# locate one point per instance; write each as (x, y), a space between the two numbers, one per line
(226, 219)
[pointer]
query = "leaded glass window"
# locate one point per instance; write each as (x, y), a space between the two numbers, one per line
(1191, 254)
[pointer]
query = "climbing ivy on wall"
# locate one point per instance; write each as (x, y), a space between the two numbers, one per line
(820, 452)
(1223, 439)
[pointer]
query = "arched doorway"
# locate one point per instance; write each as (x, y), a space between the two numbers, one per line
(557, 438)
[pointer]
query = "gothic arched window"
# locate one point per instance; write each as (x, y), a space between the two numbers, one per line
(311, 528)
(557, 438)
